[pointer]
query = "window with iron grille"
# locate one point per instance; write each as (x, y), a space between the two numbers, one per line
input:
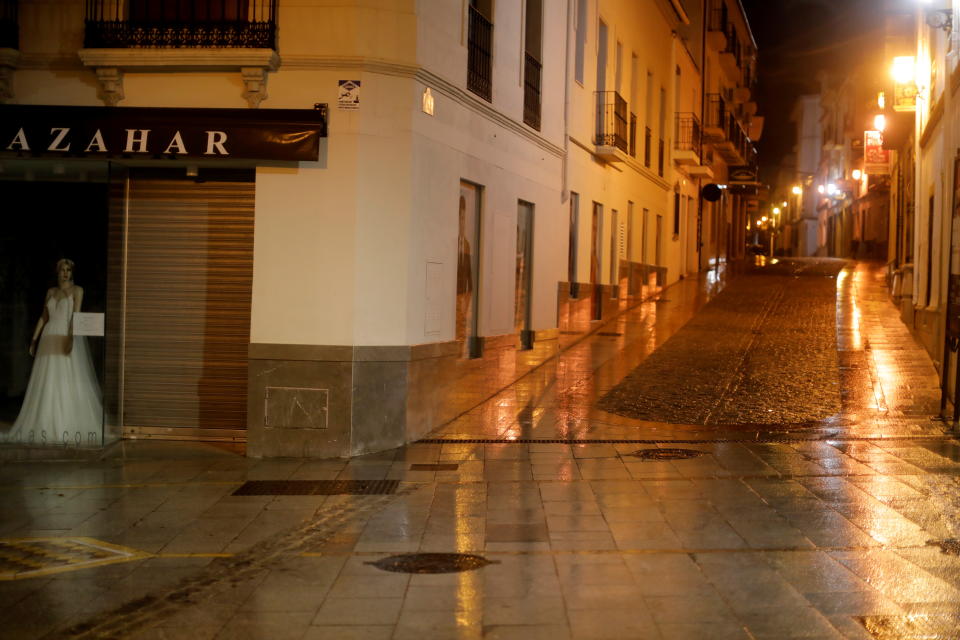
(181, 23)
(532, 65)
(480, 49)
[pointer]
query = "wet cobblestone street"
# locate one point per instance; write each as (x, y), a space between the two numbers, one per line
(824, 502)
(763, 352)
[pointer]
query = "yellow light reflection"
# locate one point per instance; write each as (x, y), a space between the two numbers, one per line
(469, 606)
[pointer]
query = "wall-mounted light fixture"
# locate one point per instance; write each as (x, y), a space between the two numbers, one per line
(940, 19)
(904, 72)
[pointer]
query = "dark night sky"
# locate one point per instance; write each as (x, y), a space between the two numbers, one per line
(796, 39)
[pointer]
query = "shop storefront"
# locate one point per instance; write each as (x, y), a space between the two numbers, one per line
(126, 263)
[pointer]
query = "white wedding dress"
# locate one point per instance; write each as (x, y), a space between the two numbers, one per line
(62, 404)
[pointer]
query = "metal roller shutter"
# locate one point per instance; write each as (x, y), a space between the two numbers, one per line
(187, 300)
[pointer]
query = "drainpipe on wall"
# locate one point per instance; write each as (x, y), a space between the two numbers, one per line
(565, 166)
(703, 91)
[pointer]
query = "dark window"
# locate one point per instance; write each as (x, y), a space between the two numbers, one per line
(676, 213)
(532, 64)
(480, 49)
(188, 10)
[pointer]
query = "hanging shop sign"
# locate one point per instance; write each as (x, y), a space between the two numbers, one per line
(248, 134)
(742, 175)
(876, 159)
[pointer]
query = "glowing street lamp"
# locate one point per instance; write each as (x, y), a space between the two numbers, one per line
(857, 174)
(797, 190)
(879, 122)
(904, 72)
(904, 69)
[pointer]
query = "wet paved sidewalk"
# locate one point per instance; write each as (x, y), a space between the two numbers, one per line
(837, 526)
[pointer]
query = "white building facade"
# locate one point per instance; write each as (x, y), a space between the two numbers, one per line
(464, 211)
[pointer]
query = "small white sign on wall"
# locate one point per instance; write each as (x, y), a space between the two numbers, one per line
(88, 324)
(348, 96)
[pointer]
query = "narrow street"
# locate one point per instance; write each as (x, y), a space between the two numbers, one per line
(747, 456)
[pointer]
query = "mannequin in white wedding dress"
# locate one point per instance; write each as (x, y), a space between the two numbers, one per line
(62, 404)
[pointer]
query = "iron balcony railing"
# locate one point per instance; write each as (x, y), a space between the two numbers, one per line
(531, 91)
(716, 112)
(611, 120)
(687, 133)
(249, 24)
(9, 26)
(733, 44)
(726, 130)
(479, 55)
(633, 135)
(719, 18)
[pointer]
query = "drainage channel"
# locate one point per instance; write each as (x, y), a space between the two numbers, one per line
(832, 437)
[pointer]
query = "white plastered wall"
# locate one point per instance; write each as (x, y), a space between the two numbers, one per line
(465, 140)
(642, 30)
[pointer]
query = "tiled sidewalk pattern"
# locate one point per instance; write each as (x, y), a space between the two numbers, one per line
(813, 533)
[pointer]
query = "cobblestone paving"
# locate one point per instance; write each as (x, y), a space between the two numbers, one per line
(763, 352)
(846, 530)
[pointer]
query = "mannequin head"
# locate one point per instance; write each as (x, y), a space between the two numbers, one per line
(65, 271)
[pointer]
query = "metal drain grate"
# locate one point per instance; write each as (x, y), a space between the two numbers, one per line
(570, 333)
(434, 467)
(918, 626)
(609, 334)
(950, 546)
(759, 440)
(666, 454)
(317, 487)
(432, 563)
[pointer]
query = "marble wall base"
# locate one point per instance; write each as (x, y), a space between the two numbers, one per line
(316, 401)
(308, 401)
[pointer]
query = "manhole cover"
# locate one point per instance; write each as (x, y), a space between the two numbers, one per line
(666, 454)
(317, 487)
(918, 626)
(950, 546)
(432, 563)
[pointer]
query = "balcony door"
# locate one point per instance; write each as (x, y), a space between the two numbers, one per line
(188, 11)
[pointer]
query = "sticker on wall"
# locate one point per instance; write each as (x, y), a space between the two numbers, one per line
(427, 102)
(348, 98)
